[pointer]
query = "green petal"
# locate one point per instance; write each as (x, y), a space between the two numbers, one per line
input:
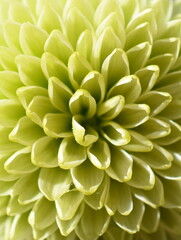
(122, 200)
(139, 34)
(99, 154)
(138, 56)
(67, 226)
(164, 62)
(71, 154)
(173, 89)
(154, 128)
(85, 136)
(156, 100)
(138, 143)
(5, 144)
(3, 205)
(7, 58)
(11, 34)
(58, 45)
(104, 46)
(78, 68)
(145, 172)
(172, 173)
(132, 222)
(59, 94)
(45, 152)
(170, 187)
(154, 197)
(110, 108)
(20, 13)
(44, 233)
(10, 112)
(20, 228)
(38, 108)
(15, 208)
(82, 103)
(42, 214)
(173, 137)
(26, 94)
(86, 177)
(53, 67)
(94, 83)
(57, 125)
(164, 156)
(53, 22)
(120, 168)
(25, 65)
(32, 39)
(20, 162)
(25, 132)
(172, 29)
(172, 111)
(97, 200)
(128, 86)
(9, 83)
(148, 77)
(6, 188)
(53, 183)
(105, 8)
(145, 16)
(114, 21)
(150, 220)
(75, 23)
(26, 189)
(92, 224)
(68, 204)
(85, 43)
(133, 115)
(115, 134)
(115, 67)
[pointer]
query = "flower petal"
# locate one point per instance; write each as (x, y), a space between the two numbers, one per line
(120, 168)
(71, 154)
(150, 220)
(115, 67)
(145, 172)
(53, 183)
(128, 86)
(115, 134)
(122, 200)
(58, 45)
(6, 188)
(99, 154)
(32, 39)
(68, 204)
(132, 222)
(172, 111)
(7, 58)
(45, 151)
(25, 65)
(86, 177)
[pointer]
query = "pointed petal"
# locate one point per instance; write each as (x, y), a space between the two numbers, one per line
(120, 168)
(53, 183)
(7, 58)
(172, 111)
(45, 152)
(150, 220)
(132, 222)
(68, 204)
(86, 177)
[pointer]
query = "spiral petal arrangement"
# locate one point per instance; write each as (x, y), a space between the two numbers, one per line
(90, 119)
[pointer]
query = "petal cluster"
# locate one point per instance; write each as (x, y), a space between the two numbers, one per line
(90, 119)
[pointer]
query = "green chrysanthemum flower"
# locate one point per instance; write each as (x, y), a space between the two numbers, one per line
(90, 114)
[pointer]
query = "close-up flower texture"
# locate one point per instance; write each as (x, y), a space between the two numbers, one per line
(90, 119)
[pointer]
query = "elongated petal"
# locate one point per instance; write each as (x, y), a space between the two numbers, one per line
(53, 183)
(45, 151)
(68, 204)
(172, 111)
(71, 154)
(120, 168)
(87, 181)
(7, 58)
(150, 220)
(115, 134)
(132, 222)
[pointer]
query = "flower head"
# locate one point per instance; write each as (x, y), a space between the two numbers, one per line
(90, 114)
